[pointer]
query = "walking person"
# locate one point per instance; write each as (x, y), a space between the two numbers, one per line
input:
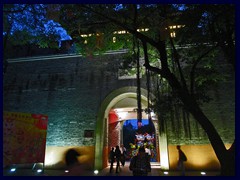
(140, 164)
(181, 159)
(112, 158)
(118, 156)
(148, 152)
(73, 165)
(123, 155)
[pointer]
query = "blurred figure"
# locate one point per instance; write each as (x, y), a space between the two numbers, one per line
(112, 158)
(181, 159)
(71, 157)
(140, 164)
(74, 167)
(140, 129)
(148, 152)
(118, 156)
(123, 155)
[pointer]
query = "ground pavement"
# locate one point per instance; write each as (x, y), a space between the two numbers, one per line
(124, 171)
(156, 171)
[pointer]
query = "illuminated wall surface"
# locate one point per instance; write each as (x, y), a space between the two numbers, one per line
(70, 90)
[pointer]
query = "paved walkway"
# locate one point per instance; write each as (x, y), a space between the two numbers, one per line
(156, 171)
(124, 171)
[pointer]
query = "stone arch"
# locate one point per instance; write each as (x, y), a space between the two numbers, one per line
(102, 119)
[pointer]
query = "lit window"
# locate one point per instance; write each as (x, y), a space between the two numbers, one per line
(173, 34)
(114, 39)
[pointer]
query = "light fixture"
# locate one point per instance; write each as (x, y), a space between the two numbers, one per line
(13, 169)
(39, 170)
(165, 172)
(122, 115)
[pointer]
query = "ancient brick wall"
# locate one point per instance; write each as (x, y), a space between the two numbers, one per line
(68, 90)
(220, 110)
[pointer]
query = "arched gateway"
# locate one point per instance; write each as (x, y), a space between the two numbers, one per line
(123, 98)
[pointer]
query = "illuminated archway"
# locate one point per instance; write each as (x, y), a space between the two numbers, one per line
(101, 144)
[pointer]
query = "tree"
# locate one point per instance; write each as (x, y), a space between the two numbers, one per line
(205, 23)
(27, 24)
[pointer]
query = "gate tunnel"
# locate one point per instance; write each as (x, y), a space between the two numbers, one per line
(125, 97)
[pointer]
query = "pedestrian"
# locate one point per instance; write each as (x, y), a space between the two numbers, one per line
(181, 159)
(74, 167)
(112, 158)
(140, 164)
(118, 156)
(148, 152)
(123, 155)
(71, 157)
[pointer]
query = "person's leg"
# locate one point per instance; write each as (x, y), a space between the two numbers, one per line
(111, 167)
(121, 160)
(179, 165)
(124, 161)
(182, 168)
(118, 164)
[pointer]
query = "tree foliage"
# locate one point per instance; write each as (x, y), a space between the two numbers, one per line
(25, 24)
(196, 43)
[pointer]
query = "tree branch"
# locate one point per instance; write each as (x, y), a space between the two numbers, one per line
(176, 58)
(16, 11)
(192, 73)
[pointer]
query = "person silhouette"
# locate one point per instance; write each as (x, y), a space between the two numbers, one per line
(74, 167)
(140, 164)
(112, 158)
(123, 155)
(118, 156)
(181, 159)
(71, 157)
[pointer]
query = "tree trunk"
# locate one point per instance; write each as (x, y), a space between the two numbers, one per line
(225, 157)
(228, 164)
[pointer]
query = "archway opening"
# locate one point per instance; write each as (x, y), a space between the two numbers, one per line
(126, 99)
(124, 128)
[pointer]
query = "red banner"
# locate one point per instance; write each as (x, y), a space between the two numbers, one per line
(24, 138)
